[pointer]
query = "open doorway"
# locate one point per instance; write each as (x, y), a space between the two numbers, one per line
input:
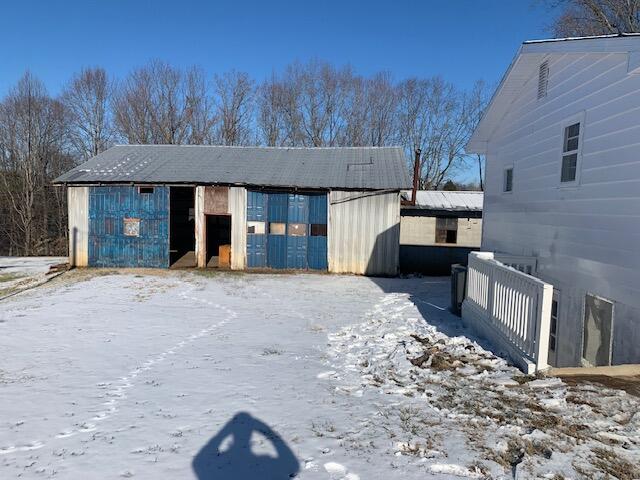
(182, 237)
(218, 241)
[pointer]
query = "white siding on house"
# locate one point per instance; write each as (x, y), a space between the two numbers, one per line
(586, 235)
(364, 231)
(78, 217)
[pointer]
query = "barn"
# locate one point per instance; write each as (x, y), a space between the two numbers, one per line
(325, 209)
(438, 229)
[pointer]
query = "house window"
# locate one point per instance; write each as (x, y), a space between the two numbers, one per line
(543, 79)
(597, 329)
(446, 230)
(553, 330)
(508, 180)
(570, 147)
(145, 190)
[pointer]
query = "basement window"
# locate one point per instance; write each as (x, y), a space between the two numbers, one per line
(145, 190)
(446, 230)
(570, 153)
(508, 180)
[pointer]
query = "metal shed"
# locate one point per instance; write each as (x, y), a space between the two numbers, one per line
(328, 209)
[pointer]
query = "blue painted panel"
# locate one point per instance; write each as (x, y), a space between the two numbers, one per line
(317, 253)
(256, 206)
(256, 250)
(296, 252)
(318, 208)
(277, 251)
(277, 204)
(298, 208)
(109, 247)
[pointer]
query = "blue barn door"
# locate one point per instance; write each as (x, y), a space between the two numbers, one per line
(256, 229)
(128, 226)
(317, 241)
(297, 230)
(277, 229)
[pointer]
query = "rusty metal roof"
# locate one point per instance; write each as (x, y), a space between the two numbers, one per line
(367, 168)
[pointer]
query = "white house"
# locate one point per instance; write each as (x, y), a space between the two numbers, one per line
(562, 143)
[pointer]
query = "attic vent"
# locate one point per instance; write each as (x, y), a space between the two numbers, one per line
(543, 79)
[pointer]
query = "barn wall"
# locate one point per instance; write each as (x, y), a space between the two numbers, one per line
(364, 232)
(586, 235)
(78, 208)
(111, 209)
(238, 210)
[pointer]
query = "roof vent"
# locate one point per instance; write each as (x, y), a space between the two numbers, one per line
(543, 79)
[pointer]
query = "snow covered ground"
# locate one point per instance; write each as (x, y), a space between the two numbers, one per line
(149, 374)
(20, 273)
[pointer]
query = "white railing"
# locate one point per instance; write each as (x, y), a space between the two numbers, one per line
(510, 308)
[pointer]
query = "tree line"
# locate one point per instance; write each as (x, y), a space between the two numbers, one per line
(312, 104)
(307, 104)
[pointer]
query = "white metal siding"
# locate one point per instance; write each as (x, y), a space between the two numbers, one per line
(364, 232)
(238, 210)
(78, 213)
(586, 236)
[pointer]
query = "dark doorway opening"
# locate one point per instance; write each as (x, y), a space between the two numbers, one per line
(182, 233)
(218, 241)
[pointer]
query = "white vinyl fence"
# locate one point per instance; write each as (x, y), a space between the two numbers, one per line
(509, 308)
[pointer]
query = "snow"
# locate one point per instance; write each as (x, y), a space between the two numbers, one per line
(163, 374)
(21, 273)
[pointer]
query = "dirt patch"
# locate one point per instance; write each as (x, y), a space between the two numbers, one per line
(631, 385)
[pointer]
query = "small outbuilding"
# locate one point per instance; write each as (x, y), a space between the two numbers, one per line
(439, 229)
(327, 209)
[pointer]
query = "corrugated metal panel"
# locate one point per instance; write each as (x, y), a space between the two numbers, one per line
(336, 167)
(364, 232)
(238, 210)
(317, 245)
(78, 208)
(109, 210)
(447, 200)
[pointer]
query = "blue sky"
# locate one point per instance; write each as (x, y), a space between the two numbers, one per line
(462, 40)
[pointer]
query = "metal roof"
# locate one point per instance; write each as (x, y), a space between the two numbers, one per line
(367, 168)
(447, 200)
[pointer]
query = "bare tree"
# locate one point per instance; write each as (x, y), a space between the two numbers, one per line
(87, 100)
(382, 99)
(235, 96)
(271, 117)
(596, 17)
(32, 130)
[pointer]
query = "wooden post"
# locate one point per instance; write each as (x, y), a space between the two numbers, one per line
(201, 228)
(543, 319)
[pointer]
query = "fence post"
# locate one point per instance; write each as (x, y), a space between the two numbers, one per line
(543, 322)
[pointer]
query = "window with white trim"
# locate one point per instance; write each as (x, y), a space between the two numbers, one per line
(570, 153)
(507, 185)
